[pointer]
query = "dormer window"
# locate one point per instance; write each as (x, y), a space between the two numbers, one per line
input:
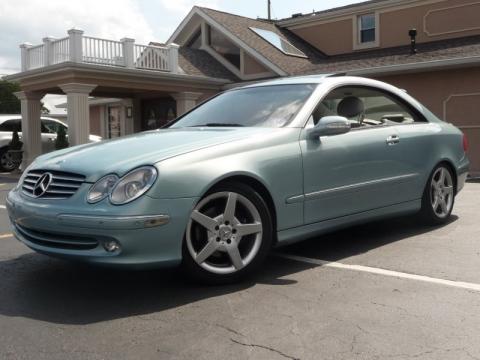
(229, 51)
(366, 28)
(195, 41)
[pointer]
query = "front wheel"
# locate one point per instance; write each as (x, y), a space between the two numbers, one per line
(438, 196)
(228, 235)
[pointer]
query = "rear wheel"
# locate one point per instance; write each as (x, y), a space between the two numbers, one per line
(439, 196)
(228, 235)
(7, 163)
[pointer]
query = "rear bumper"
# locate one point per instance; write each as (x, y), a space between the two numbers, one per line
(151, 240)
(462, 173)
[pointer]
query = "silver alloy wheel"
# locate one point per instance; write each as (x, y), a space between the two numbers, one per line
(442, 192)
(225, 234)
(7, 161)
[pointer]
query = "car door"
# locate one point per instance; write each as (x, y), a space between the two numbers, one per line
(357, 171)
(419, 153)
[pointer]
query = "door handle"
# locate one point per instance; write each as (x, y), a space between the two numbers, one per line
(392, 140)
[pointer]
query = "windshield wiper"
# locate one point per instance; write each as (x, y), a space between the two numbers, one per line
(219, 125)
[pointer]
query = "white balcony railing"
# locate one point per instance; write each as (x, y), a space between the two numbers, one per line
(151, 57)
(85, 49)
(36, 56)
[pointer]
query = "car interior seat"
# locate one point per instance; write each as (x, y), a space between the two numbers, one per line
(352, 107)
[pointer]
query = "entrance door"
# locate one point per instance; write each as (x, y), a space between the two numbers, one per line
(115, 128)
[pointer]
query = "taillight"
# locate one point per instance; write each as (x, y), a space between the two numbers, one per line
(465, 143)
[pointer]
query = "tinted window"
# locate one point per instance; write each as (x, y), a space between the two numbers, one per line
(365, 107)
(51, 127)
(11, 125)
(263, 106)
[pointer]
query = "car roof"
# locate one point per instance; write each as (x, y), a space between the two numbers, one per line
(5, 117)
(306, 79)
(330, 80)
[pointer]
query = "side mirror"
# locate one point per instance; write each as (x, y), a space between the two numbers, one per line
(328, 126)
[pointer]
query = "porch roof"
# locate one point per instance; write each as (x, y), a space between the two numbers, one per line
(113, 81)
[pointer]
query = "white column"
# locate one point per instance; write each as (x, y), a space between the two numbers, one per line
(31, 125)
(173, 57)
(78, 112)
(24, 55)
(185, 101)
(48, 50)
(128, 53)
(75, 46)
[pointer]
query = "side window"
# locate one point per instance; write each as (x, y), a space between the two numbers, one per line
(11, 125)
(366, 107)
(50, 127)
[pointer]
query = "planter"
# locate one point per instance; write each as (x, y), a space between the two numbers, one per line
(16, 157)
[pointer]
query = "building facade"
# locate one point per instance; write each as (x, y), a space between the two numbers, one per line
(430, 48)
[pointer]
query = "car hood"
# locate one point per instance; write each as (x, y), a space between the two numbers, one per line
(122, 155)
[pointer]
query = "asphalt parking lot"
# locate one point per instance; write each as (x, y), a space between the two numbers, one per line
(387, 290)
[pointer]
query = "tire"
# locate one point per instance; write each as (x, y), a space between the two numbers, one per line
(6, 163)
(223, 246)
(438, 196)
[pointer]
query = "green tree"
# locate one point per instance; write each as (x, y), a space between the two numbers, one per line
(9, 104)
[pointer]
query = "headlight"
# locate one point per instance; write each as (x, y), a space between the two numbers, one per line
(133, 185)
(102, 188)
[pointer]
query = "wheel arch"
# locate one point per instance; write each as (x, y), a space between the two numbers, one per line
(451, 167)
(256, 184)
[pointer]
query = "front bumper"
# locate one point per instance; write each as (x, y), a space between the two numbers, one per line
(73, 229)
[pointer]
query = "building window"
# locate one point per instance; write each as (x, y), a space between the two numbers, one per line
(366, 28)
(218, 42)
(195, 41)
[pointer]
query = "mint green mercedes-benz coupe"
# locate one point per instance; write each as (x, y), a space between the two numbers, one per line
(252, 168)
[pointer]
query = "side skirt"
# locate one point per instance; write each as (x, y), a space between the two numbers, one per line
(290, 236)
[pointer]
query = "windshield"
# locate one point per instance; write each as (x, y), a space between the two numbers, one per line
(264, 106)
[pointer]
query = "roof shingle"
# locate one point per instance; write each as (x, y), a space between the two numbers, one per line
(318, 62)
(239, 27)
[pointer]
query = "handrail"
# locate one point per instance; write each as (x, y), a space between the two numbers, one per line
(79, 48)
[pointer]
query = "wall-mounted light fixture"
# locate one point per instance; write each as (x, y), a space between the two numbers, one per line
(413, 41)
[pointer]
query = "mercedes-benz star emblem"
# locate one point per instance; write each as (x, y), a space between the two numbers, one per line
(42, 184)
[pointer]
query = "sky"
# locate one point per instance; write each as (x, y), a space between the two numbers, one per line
(143, 20)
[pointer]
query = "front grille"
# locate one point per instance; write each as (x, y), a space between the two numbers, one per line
(68, 242)
(61, 185)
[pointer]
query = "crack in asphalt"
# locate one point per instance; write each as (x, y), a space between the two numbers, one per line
(230, 330)
(266, 348)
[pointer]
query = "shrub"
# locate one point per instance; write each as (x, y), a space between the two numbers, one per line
(61, 142)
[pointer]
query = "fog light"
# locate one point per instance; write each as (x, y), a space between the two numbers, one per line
(111, 245)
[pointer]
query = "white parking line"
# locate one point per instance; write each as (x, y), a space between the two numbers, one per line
(378, 271)
(2, 236)
(3, 207)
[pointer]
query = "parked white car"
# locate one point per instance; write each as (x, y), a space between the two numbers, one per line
(10, 123)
